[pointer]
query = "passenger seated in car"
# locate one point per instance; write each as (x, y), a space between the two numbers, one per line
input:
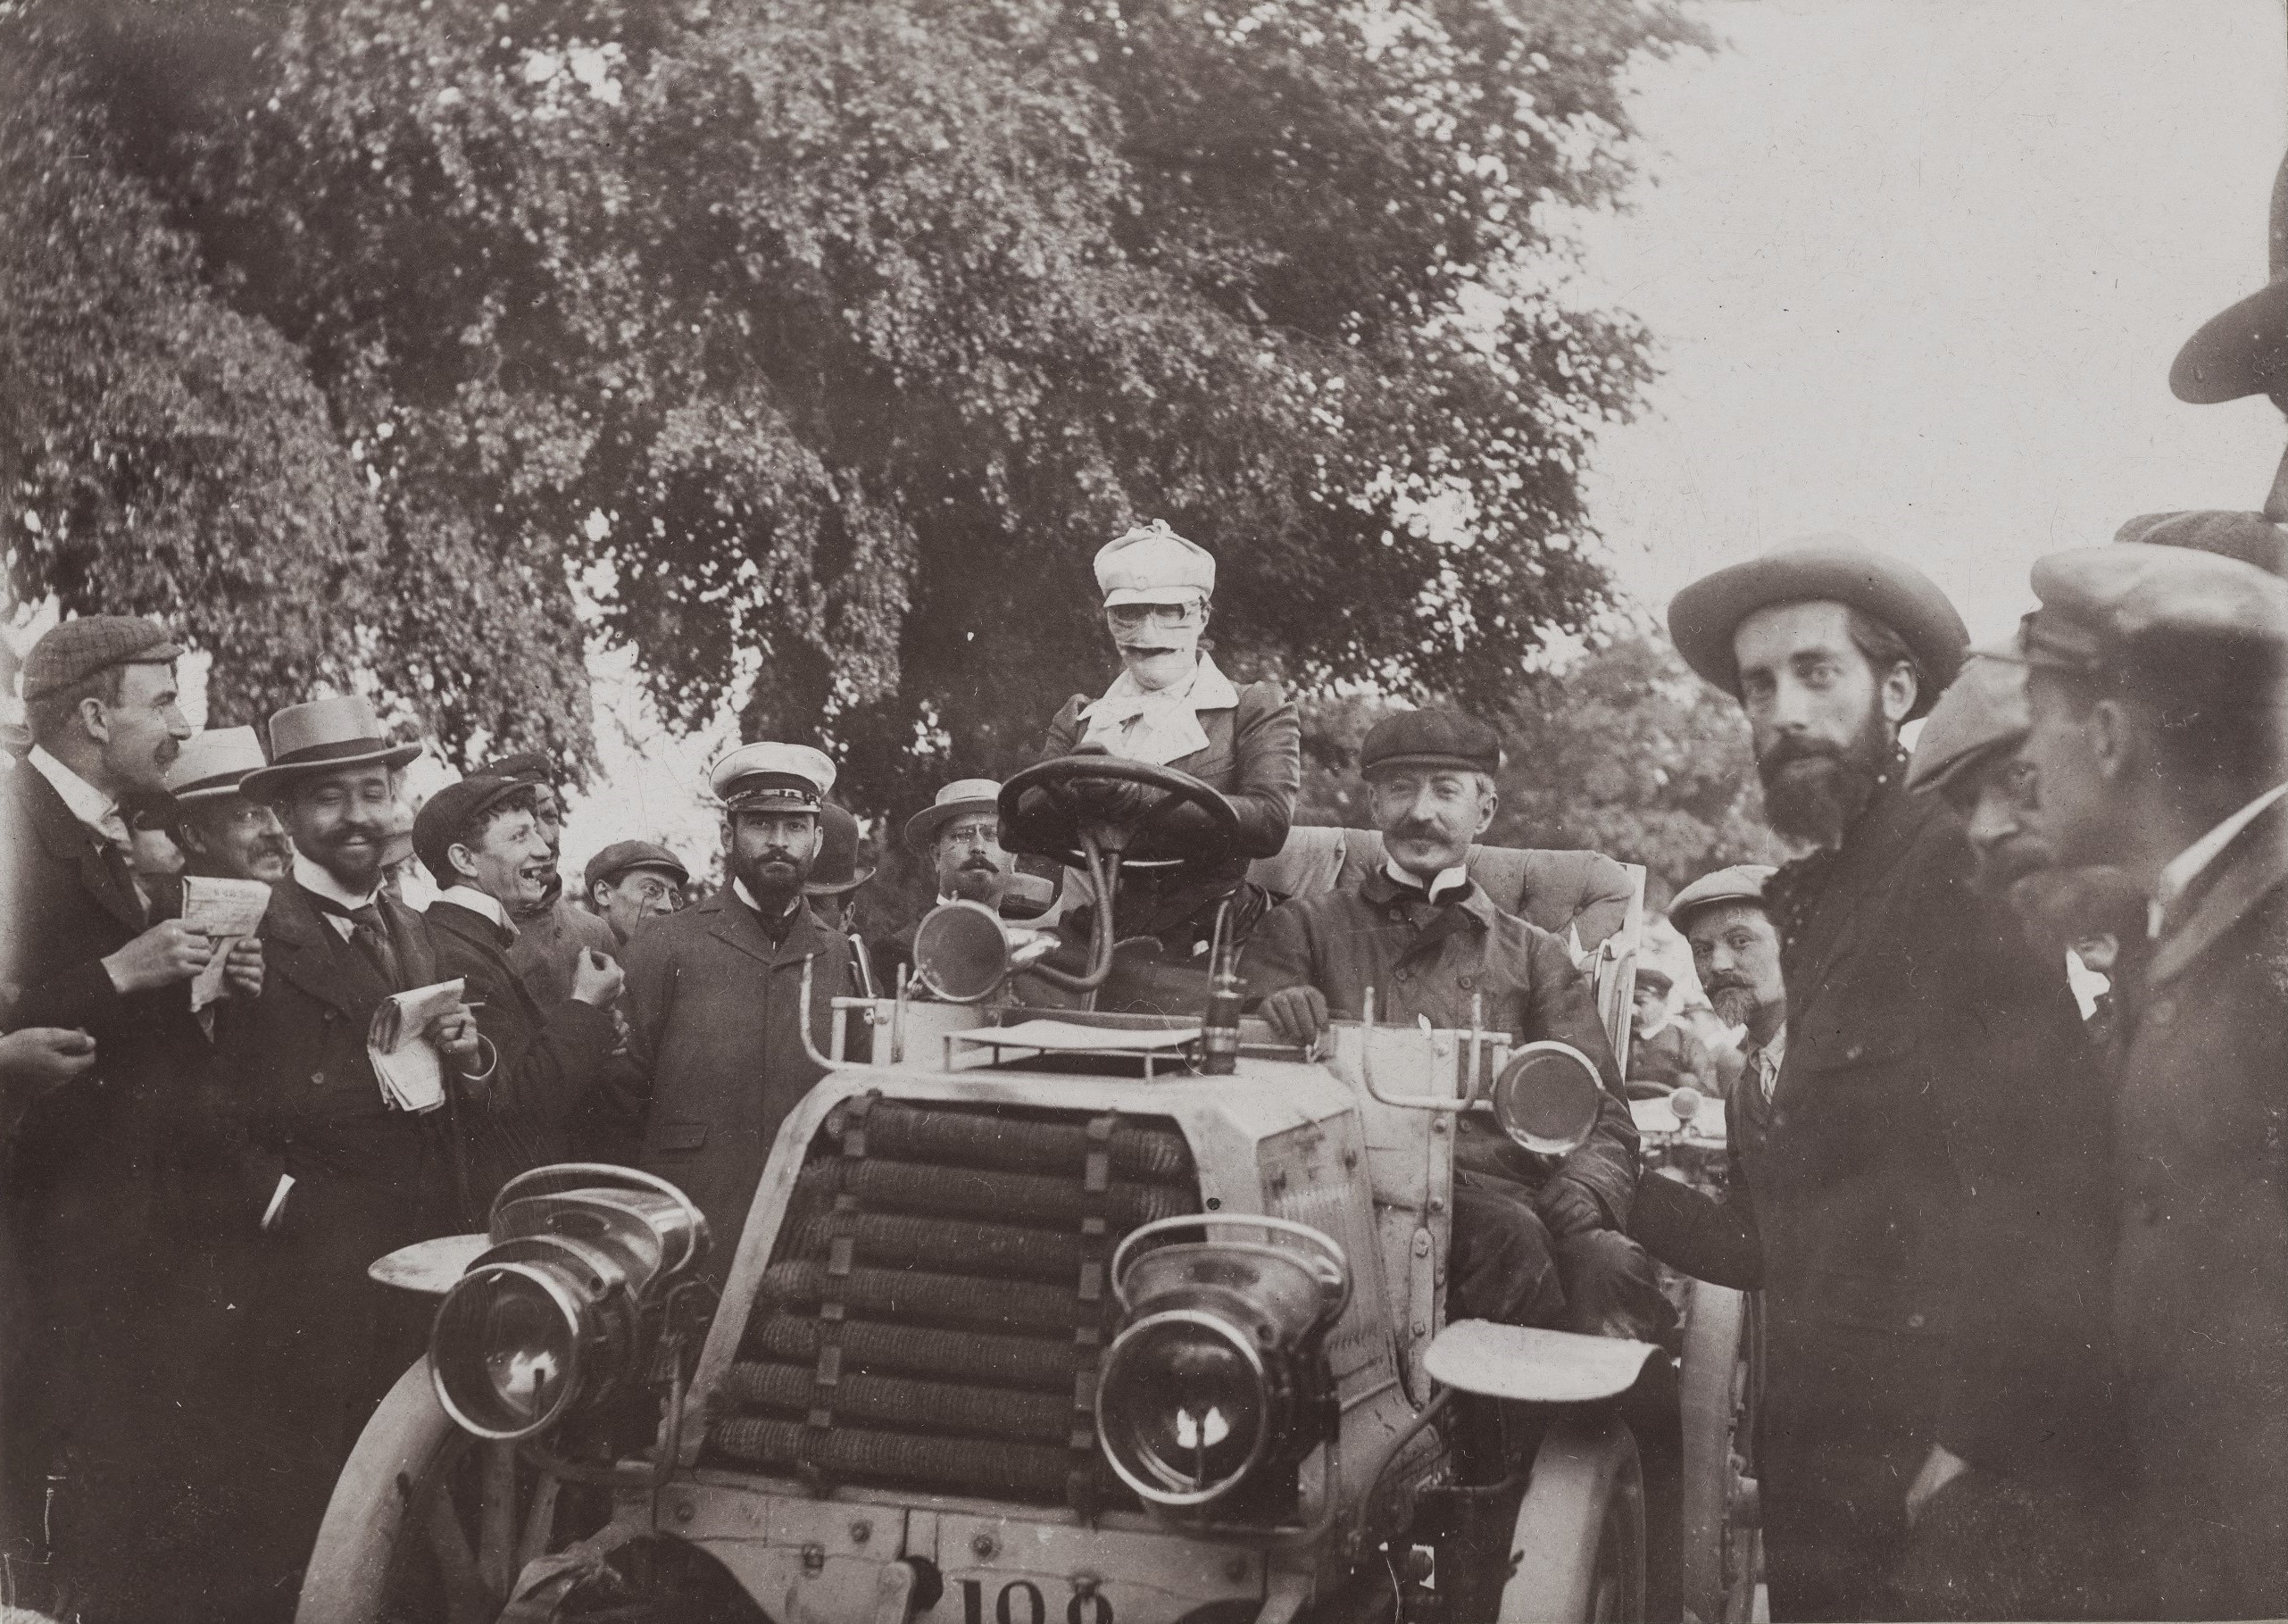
(1661, 1050)
(1537, 1241)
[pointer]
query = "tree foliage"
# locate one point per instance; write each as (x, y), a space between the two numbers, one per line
(811, 347)
(1630, 754)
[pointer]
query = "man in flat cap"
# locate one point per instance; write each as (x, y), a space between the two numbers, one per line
(481, 843)
(1928, 1203)
(227, 834)
(2158, 690)
(632, 881)
(84, 953)
(1661, 1049)
(714, 993)
(332, 1174)
(1536, 1242)
(554, 931)
(1968, 754)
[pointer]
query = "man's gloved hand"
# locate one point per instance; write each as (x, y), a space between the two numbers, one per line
(1110, 800)
(1567, 1208)
(1298, 1014)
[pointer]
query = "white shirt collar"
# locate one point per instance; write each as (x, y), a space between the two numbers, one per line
(2181, 871)
(1457, 877)
(318, 880)
(97, 811)
(476, 901)
(1775, 1053)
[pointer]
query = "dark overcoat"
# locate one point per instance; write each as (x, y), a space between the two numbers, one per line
(546, 1062)
(2200, 1297)
(713, 1013)
(1922, 1203)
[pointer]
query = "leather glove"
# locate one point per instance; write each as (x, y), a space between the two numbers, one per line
(1110, 800)
(1298, 1014)
(1567, 1208)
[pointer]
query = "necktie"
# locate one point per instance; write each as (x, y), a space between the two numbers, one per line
(370, 934)
(122, 878)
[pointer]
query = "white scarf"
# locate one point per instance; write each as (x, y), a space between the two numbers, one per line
(1158, 726)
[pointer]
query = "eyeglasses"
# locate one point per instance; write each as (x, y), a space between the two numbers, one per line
(1189, 612)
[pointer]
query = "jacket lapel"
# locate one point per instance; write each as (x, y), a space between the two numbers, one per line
(734, 923)
(409, 938)
(1842, 907)
(68, 841)
(2253, 865)
(302, 947)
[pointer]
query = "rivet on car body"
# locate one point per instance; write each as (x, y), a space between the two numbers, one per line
(984, 1546)
(814, 1559)
(861, 1532)
(1235, 1572)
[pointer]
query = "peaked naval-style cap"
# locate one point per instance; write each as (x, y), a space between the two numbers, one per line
(1152, 564)
(1820, 569)
(76, 650)
(1430, 737)
(962, 795)
(324, 736)
(2133, 607)
(2251, 537)
(1742, 882)
(768, 777)
(211, 764)
(1984, 709)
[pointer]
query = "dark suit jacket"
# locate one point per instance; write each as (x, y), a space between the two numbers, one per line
(2200, 1297)
(712, 1010)
(1923, 1205)
(545, 1059)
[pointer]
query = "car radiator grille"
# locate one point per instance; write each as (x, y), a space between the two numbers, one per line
(935, 1308)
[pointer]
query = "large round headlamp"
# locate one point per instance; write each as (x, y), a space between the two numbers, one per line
(554, 1314)
(1218, 1367)
(1548, 1096)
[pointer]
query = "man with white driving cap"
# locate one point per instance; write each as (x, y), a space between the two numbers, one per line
(714, 993)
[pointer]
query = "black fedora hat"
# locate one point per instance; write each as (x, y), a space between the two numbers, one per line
(835, 869)
(2243, 350)
(1820, 569)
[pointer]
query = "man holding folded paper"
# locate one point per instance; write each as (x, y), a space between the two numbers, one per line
(336, 1169)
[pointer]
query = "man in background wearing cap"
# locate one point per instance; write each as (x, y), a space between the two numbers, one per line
(480, 841)
(1928, 1204)
(714, 993)
(1170, 705)
(1536, 1242)
(1659, 1049)
(959, 832)
(632, 881)
(551, 933)
(2158, 694)
(84, 956)
(226, 834)
(333, 1175)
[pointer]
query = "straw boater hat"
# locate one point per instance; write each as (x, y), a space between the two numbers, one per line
(323, 735)
(212, 764)
(1820, 569)
(961, 797)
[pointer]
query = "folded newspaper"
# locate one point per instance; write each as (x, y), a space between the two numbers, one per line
(225, 911)
(410, 1070)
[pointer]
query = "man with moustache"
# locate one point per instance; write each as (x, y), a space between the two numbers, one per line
(631, 881)
(2157, 695)
(554, 932)
(1928, 1198)
(226, 835)
(959, 832)
(84, 956)
(714, 993)
(332, 1174)
(481, 843)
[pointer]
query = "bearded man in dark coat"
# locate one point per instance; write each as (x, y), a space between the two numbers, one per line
(1923, 1211)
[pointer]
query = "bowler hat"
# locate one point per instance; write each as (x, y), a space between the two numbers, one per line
(770, 776)
(1820, 569)
(211, 765)
(1983, 709)
(960, 796)
(444, 819)
(2243, 350)
(2251, 537)
(324, 736)
(1742, 882)
(1430, 737)
(76, 650)
(835, 869)
(622, 856)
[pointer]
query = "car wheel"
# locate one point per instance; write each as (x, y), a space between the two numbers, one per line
(1580, 1546)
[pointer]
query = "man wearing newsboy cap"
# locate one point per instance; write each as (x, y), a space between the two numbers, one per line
(553, 933)
(1926, 1198)
(714, 993)
(2157, 687)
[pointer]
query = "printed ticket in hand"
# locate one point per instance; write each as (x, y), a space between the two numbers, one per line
(410, 1070)
(225, 911)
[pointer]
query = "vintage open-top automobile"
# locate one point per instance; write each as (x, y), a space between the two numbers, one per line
(1072, 1313)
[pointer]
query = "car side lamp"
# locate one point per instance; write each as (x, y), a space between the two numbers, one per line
(1218, 1372)
(566, 1304)
(1546, 1097)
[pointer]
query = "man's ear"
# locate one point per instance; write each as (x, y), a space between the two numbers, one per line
(2112, 739)
(463, 861)
(1489, 801)
(1900, 689)
(96, 717)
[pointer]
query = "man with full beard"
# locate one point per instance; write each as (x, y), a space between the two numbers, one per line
(1928, 1195)
(714, 991)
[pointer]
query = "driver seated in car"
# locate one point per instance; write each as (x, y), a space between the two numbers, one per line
(1537, 1240)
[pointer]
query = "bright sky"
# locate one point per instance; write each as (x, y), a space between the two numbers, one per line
(1916, 269)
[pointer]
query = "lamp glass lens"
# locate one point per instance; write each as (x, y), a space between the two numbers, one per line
(1184, 1409)
(504, 1353)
